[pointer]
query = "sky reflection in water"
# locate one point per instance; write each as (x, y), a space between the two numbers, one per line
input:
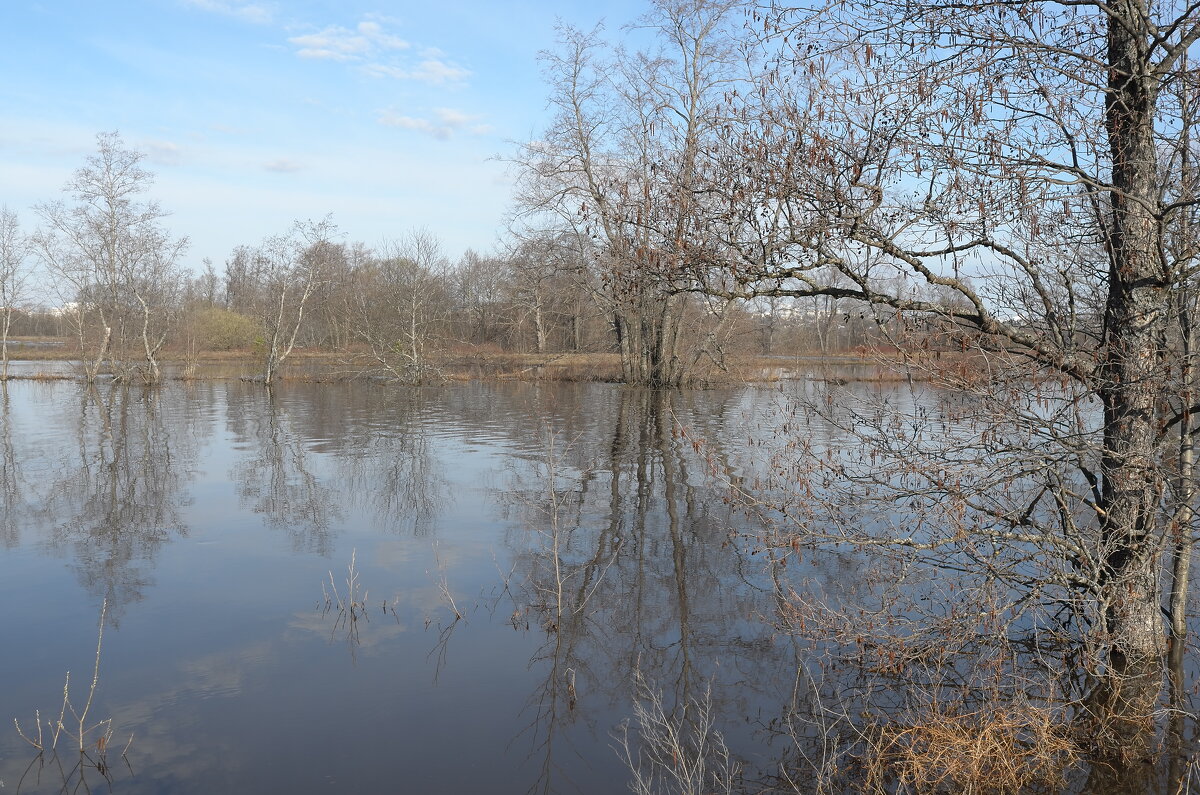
(211, 515)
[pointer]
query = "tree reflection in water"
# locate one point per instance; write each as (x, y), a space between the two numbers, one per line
(11, 480)
(628, 565)
(116, 493)
(275, 479)
(607, 553)
(389, 466)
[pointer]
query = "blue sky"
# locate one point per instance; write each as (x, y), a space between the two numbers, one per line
(253, 113)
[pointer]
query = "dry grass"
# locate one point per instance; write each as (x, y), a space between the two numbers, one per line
(491, 363)
(1006, 749)
(470, 362)
(679, 751)
(40, 376)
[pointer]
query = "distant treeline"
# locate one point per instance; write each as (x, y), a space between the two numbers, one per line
(412, 302)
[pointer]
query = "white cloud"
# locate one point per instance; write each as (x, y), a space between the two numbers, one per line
(249, 12)
(446, 122)
(334, 43)
(283, 165)
(374, 32)
(438, 72)
(375, 50)
(163, 153)
(337, 43)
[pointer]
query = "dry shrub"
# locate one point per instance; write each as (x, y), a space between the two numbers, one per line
(1003, 749)
(217, 329)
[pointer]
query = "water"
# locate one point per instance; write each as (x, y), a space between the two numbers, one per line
(576, 529)
(476, 587)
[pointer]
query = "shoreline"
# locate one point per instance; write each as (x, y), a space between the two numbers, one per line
(461, 365)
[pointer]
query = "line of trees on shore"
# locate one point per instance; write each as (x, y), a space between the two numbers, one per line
(101, 270)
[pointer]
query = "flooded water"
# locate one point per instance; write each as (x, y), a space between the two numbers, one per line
(529, 561)
(472, 588)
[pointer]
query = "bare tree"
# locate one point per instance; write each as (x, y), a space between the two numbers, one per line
(1014, 159)
(478, 283)
(536, 272)
(550, 284)
(275, 282)
(14, 276)
(404, 305)
(116, 266)
(619, 165)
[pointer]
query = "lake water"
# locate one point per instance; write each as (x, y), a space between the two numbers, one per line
(575, 528)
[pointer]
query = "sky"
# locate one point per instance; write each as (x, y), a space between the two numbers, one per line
(390, 115)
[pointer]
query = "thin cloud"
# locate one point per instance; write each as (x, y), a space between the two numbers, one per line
(439, 72)
(374, 32)
(441, 132)
(432, 72)
(283, 166)
(164, 153)
(376, 51)
(446, 122)
(453, 118)
(336, 43)
(257, 13)
(384, 70)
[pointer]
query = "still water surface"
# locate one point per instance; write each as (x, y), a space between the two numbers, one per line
(211, 518)
(575, 528)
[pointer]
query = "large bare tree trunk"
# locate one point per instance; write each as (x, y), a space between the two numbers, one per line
(1135, 324)
(1131, 376)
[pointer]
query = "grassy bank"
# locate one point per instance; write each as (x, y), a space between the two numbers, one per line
(462, 363)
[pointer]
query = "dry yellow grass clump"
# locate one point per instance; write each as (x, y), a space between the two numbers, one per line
(1005, 749)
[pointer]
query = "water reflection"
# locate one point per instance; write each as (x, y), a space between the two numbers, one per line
(628, 563)
(110, 488)
(73, 749)
(275, 478)
(11, 486)
(576, 527)
(393, 471)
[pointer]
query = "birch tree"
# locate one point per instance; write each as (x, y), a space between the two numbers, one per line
(275, 281)
(114, 264)
(403, 307)
(14, 276)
